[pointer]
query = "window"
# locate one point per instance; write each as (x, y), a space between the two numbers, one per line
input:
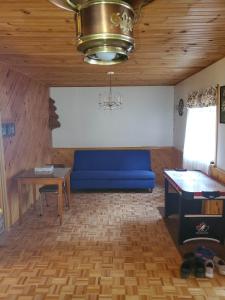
(200, 138)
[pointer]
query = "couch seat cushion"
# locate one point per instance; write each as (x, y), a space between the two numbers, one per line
(137, 174)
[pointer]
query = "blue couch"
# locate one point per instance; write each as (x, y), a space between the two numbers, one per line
(112, 169)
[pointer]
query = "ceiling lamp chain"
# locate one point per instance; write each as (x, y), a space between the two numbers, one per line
(104, 28)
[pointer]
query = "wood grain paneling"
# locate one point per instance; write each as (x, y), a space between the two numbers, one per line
(174, 39)
(216, 206)
(162, 158)
(218, 174)
(25, 102)
(178, 158)
(63, 156)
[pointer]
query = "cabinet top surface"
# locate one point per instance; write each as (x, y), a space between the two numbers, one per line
(193, 181)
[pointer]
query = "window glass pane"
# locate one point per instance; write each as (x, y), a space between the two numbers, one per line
(200, 138)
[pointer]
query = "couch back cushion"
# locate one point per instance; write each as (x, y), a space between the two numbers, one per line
(112, 160)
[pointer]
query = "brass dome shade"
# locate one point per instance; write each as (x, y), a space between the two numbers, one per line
(104, 28)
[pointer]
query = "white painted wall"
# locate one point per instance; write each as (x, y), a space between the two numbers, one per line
(146, 118)
(211, 76)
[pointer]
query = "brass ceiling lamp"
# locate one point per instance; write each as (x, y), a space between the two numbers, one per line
(104, 27)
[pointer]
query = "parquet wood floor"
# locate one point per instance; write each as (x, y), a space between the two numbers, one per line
(110, 246)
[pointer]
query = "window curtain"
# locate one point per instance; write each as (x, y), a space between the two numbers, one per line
(203, 98)
(200, 138)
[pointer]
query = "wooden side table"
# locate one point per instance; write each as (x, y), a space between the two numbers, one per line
(58, 177)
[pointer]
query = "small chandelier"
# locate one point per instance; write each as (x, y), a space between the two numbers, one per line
(108, 101)
(104, 28)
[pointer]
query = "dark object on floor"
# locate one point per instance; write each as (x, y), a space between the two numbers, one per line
(187, 265)
(199, 267)
(192, 264)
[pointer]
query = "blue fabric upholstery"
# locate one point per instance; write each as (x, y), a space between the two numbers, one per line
(112, 169)
(112, 160)
(113, 175)
(92, 184)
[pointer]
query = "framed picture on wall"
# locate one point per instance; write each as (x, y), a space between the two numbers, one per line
(222, 104)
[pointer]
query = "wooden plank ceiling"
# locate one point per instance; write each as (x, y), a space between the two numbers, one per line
(174, 39)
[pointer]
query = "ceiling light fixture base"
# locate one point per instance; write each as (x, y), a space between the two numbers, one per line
(104, 28)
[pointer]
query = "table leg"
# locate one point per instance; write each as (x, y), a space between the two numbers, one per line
(34, 194)
(60, 202)
(20, 201)
(166, 198)
(223, 212)
(181, 218)
(68, 189)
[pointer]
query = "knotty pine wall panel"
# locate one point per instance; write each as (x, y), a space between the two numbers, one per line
(25, 102)
(218, 174)
(215, 207)
(162, 158)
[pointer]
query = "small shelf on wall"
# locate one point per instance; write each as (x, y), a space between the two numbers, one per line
(53, 116)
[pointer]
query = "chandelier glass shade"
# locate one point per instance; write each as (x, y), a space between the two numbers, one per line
(109, 101)
(104, 28)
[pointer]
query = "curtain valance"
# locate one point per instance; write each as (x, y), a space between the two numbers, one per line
(202, 98)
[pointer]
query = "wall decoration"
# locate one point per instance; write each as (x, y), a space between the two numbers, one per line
(222, 104)
(180, 107)
(8, 129)
(53, 116)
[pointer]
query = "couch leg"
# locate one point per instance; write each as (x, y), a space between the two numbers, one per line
(150, 190)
